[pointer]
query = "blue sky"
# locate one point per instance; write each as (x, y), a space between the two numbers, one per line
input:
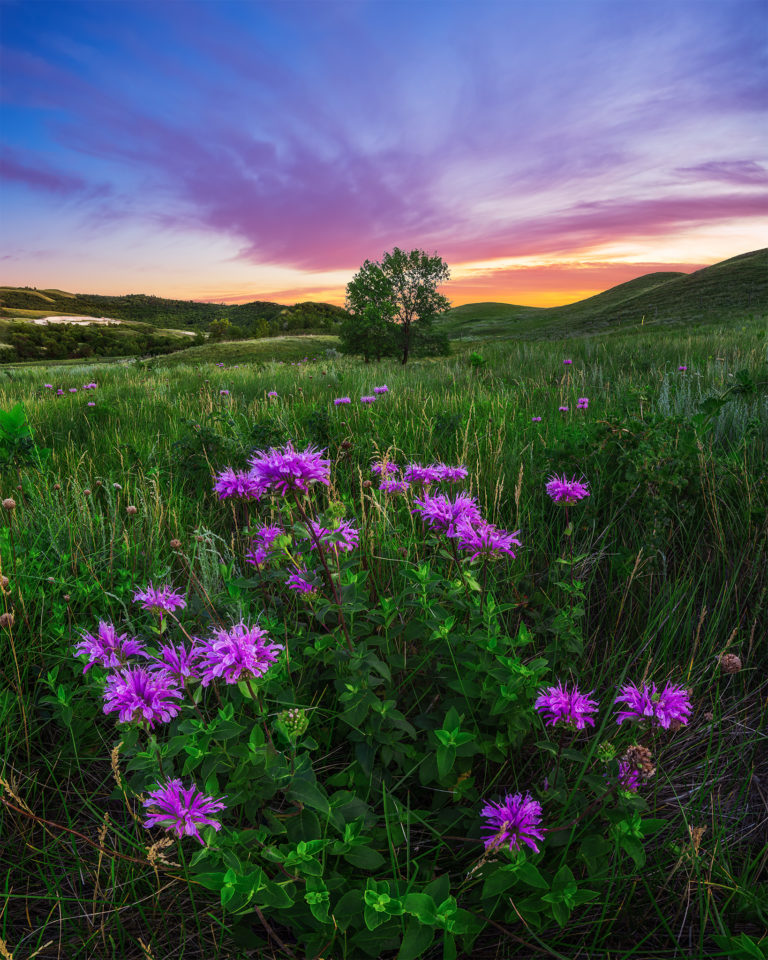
(264, 150)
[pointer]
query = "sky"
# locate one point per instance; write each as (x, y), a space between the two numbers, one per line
(236, 151)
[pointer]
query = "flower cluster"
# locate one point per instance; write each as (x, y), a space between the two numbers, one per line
(665, 708)
(159, 600)
(238, 485)
(181, 811)
(236, 654)
(345, 536)
(513, 821)
(141, 694)
(367, 399)
(582, 403)
(261, 545)
(563, 490)
(285, 469)
(560, 704)
(108, 648)
(341, 401)
(434, 473)
(460, 518)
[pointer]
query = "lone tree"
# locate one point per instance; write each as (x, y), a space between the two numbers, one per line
(393, 302)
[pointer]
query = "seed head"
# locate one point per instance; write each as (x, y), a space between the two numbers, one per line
(86, 492)
(176, 544)
(6, 620)
(131, 510)
(641, 759)
(9, 503)
(730, 663)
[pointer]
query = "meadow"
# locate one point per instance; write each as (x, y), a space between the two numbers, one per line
(354, 770)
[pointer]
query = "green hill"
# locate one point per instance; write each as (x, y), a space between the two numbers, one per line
(724, 292)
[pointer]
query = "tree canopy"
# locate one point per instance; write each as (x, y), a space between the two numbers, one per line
(393, 303)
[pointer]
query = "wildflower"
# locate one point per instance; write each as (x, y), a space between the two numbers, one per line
(480, 538)
(730, 663)
(175, 544)
(582, 403)
(629, 776)
(181, 811)
(262, 545)
(382, 389)
(566, 491)
(285, 468)
(108, 648)
(59, 393)
(640, 758)
(384, 469)
(416, 473)
(515, 819)
(451, 474)
(236, 654)
(298, 581)
(563, 409)
(682, 368)
(48, 386)
(443, 515)
(91, 403)
(224, 393)
(9, 503)
(73, 389)
(671, 705)
(238, 484)
(139, 693)
(567, 362)
(131, 510)
(178, 659)
(293, 722)
(159, 600)
(272, 393)
(561, 705)
(345, 537)
(367, 399)
(6, 620)
(394, 486)
(535, 419)
(340, 401)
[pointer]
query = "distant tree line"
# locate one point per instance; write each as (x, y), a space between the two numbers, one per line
(69, 341)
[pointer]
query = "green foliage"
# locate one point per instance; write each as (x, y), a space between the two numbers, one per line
(395, 301)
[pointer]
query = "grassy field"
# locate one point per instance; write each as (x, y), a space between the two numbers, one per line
(669, 555)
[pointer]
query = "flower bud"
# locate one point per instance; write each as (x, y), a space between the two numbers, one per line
(606, 751)
(293, 723)
(730, 663)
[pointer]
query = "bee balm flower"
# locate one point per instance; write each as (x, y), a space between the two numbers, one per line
(516, 819)
(181, 811)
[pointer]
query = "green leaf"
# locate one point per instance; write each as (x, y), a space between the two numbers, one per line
(417, 939)
(309, 794)
(531, 875)
(420, 905)
(497, 883)
(446, 757)
(561, 913)
(364, 857)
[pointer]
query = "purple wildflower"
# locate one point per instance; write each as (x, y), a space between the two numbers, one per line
(108, 648)
(394, 486)
(367, 399)
(443, 514)
(224, 393)
(451, 474)
(416, 473)
(48, 386)
(563, 409)
(262, 545)
(384, 469)
(138, 693)
(382, 389)
(73, 389)
(536, 419)
(238, 484)
(284, 468)
(671, 705)
(181, 811)
(629, 776)
(485, 539)
(582, 403)
(345, 537)
(341, 401)
(567, 362)
(241, 652)
(561, 705)
(159, 600)
(178, 659)
(298, 581)
(515, 819)
(91, 403)
(272, 393)
(567, 491)
(682, 368)
(59, 393)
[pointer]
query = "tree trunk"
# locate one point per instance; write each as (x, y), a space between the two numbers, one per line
(406, 341)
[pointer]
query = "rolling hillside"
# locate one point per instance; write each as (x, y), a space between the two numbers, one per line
(724, 292)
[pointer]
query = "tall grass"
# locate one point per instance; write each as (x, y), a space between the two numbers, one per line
(675, 564)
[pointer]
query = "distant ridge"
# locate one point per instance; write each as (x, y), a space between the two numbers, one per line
(725, 291)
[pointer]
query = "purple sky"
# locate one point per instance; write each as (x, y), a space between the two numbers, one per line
(264, 150)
